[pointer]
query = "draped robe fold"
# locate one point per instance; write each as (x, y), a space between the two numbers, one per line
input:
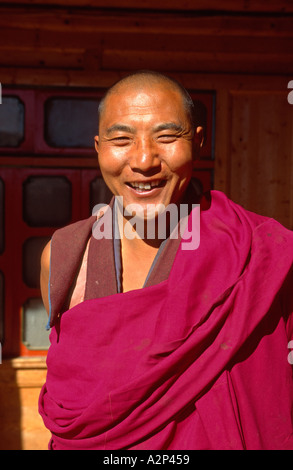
(199, 360)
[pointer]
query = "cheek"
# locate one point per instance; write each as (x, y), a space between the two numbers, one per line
(111, 163)
(180, 161)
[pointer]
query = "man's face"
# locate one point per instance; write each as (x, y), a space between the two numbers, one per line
(145, 145)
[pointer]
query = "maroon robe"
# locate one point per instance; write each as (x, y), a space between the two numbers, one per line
(198, 360)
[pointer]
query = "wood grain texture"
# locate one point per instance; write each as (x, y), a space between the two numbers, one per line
(184, 5)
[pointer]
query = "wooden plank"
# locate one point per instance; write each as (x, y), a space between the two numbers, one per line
(39, 76)
(222, 139)
(101, 21)
(239, 54)
(183, 5)
(65, 40)
(34, 38)
(198, 62)
(42, 58)
(261, 162)
(199, 43)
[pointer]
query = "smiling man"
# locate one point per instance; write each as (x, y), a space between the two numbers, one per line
(154, 346)
(146, 149)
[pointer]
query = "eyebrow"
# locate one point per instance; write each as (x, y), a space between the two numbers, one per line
(121, 128)
(168, 126)
(158, 128)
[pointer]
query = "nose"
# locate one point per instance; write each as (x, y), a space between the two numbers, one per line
(145, 157)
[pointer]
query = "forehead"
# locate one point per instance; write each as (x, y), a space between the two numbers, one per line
(152, 101)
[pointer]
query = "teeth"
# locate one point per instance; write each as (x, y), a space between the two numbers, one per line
(144, 186)
(140, 185)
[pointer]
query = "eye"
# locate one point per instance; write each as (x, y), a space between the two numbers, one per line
(167, 138)
(121, 140)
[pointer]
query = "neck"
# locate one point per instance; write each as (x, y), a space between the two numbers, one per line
(141, 232)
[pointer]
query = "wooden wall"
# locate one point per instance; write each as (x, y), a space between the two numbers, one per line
(244, 52)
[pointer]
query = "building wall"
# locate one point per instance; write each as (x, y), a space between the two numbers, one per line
(244, 53)
(21, 425)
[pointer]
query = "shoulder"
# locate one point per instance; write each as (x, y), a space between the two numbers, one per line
(75, 229)
(45, 274)
(67, 247)
(64, 242)
(227, 208)
(45, 257)
(227, 216)
(64, 237)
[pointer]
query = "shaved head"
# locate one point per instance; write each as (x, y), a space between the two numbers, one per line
(142, 79)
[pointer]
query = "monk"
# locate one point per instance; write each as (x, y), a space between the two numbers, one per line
(173, 342)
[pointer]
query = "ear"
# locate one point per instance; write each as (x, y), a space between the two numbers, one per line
(198, 140)
(97, 143)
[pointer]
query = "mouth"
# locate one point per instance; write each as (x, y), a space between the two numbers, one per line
(147, 186)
